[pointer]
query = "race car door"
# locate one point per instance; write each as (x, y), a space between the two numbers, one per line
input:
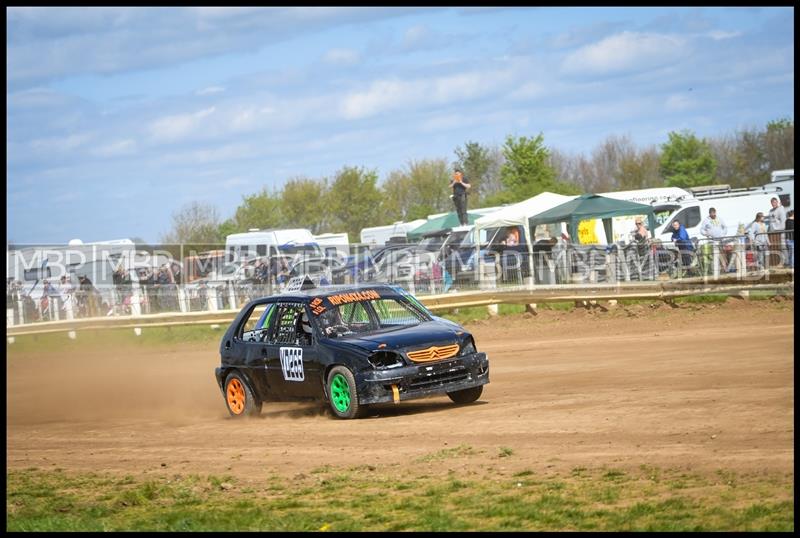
(248, 349)
(292, 360)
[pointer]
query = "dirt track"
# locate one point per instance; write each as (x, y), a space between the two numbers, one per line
(700, 388)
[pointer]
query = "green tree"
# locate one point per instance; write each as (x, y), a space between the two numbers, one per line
(261, 210)
(779, 144)
(195, 223)
(687, 161)
(417, 191)
(481, 168)
(640, 170)
(527, 170)
(354, 200)
(303, 204)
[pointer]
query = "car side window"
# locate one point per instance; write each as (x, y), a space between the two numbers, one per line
(692, 217)
(256, 325)
(291, 325)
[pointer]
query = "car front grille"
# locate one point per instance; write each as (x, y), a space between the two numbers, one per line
(438, 377)
(433, 353)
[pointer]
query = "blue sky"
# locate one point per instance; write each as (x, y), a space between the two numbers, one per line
(115, 118)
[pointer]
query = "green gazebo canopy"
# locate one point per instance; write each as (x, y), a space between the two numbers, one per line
(445, 222)
(589, 207)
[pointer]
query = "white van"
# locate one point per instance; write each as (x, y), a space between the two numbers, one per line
(785, 180)
(733, 209)
(296, 242)
(334, 245)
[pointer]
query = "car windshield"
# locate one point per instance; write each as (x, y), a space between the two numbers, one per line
(360, 317)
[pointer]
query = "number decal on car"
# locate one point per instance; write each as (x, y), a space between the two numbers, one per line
(292, 363)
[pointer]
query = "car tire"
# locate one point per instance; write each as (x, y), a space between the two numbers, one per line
(239, 398)
(342, 393)
(467, 395)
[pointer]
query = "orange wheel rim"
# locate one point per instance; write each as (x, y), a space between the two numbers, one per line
(235, 396)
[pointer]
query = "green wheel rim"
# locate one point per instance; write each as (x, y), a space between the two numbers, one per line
(340, 393)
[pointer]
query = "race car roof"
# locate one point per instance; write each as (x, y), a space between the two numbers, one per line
(304, 295)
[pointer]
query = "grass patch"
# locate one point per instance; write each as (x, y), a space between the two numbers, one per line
(704, 299)
(505, 452)
(102, 339)
(344, 500)
(447, 453)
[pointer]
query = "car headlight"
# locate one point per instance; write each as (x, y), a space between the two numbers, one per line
(385, 359)
(468, 348)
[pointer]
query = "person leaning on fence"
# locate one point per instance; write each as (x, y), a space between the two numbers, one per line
(714, 228)
(790, 238)
(757, 232)
(684, 244)
(777, 223)
(640, 237)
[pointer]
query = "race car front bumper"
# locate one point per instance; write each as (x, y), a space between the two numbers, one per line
(421, 380)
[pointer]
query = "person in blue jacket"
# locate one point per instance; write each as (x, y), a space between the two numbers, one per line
(681, 239)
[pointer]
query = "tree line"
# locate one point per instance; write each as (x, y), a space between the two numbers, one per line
(354, 198)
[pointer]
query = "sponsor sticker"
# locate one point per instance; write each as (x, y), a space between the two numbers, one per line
(344, 298)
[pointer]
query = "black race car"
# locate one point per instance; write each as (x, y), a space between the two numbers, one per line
(348, 345)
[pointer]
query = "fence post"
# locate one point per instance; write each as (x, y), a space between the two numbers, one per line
(136, 298)
(182, 303)
(232, 294)
(741, 260)
(715, 261)
(611, 267)
(21, 310)
(212, 298)
(68, 308)
(530, 280)
(488, 276)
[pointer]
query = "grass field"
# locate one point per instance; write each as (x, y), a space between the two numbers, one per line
(366, 498)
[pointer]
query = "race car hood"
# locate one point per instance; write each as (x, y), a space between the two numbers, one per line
(423, 335)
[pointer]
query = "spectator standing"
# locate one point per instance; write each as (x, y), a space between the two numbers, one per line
(757, 232)
(777, 223)
(88, 303)
(790, 238)
(460, 185)
(50, 299)
(66, 289)
(714, 228)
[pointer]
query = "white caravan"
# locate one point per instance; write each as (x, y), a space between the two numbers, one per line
(334, 245)
(378, 236)
(296, 242)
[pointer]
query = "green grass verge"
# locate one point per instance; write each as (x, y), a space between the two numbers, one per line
(362, 499)
(102, 339)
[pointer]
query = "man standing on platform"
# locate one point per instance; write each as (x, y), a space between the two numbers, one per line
(460, 186)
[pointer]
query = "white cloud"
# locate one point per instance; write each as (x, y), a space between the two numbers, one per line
(606, 112)
(60, 144)
(342, 57)
(677, 102)
(172, 128)
(528, 90)
(114, 149)
(416, 36)
(211, 90)
(391, 94)
(718, 35)
(627, 51)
